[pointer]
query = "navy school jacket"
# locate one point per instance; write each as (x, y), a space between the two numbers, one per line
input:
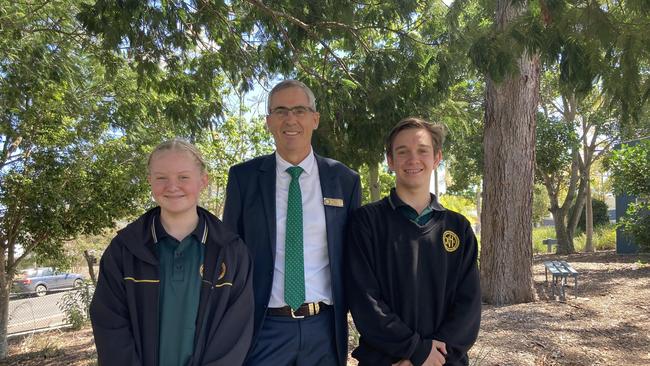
(124, 309)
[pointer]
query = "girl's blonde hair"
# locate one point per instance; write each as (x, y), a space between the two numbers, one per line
(177, 144)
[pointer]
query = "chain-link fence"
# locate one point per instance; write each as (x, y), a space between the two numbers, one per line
(31, 312)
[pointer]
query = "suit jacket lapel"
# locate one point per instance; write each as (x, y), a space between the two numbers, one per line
(267, 188)
(330, 188)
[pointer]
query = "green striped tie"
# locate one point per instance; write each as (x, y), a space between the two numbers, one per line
(294, 266)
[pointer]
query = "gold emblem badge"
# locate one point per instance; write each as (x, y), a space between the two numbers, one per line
(223, 271)
(450, 241)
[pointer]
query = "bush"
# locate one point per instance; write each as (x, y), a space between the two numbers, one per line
(604, 238)
(75, 304)
(599, 209)
(636, 224)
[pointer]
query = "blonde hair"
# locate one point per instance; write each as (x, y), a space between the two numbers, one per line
(177, 144)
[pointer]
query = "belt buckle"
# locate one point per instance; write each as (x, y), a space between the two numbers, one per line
(294, 315)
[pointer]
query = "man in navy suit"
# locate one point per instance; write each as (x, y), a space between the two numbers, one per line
(316, 332)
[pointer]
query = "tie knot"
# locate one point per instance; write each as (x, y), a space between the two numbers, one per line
(294, 171)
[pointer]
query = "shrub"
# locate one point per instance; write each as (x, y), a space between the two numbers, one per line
(75, 304)
(599, 209)
(604, 238)
(636, 223)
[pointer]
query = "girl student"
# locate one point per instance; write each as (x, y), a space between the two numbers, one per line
(175, 286)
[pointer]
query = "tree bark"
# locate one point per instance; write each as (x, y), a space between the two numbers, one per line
(5, 282)
(479, 201)
(509, 155)
(589, 217)
(373, 182)
(90, 260)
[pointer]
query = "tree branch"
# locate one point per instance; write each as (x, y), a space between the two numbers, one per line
(307, 28)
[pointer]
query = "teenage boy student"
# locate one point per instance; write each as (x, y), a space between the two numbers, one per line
(412, 278)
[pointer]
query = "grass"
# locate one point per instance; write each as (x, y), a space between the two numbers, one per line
(604, 238)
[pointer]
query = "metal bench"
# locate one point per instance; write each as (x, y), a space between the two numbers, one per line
(549, 244)
(560, 272)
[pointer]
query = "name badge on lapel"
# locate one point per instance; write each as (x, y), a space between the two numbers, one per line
(336, 202)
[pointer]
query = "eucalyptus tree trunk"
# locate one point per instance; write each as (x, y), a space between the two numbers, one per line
(564, 218)
(589, 216)
(373, 182)
(90, 261)
(509, 155)
(5, 282)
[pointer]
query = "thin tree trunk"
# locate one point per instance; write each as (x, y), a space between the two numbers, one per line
(373, 182)
(90, 260)
(589, 217)
(563, 235)
(509, 155)
(477, 229)
(574, 214)
(589, 221)
(5, 281)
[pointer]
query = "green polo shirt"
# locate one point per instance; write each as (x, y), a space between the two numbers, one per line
(180, 286)
(410, 213)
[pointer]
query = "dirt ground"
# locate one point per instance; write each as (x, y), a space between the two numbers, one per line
(607, 324)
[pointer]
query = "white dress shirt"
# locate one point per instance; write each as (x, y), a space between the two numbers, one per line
(318, 283)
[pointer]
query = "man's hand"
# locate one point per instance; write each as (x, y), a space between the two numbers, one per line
(437, 354)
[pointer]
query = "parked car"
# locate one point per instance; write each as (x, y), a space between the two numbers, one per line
(41, 280)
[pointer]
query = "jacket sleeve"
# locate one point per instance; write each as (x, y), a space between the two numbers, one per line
(379, 326)
(460, 327)
(231, 337)
(232, 207)
(356, 193)
(109, 313)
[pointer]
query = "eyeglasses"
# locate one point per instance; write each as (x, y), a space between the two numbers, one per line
(298, 111)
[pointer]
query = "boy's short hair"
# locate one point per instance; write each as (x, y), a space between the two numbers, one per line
(436, 130)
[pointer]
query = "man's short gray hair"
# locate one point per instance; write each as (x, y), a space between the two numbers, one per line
(291, 84)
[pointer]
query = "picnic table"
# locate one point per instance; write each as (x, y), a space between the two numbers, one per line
(560, 272)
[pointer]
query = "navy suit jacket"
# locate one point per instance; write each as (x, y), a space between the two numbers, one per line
(250, 212)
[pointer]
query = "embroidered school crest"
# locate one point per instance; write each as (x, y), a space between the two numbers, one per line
(450, 241)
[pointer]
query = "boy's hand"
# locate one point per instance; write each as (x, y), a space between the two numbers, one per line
(437, 355)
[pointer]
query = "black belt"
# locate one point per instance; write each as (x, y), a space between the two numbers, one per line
(305, 310)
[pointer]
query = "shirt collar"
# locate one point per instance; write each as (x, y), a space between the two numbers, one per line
(159, 233)
(396, 202)
(307, 164)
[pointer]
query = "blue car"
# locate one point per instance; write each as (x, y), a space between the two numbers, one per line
(40, 281)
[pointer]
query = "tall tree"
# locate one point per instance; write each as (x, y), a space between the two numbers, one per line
(73, 134)
(369, 66)
(509, 40)
(508, 142)
(591, 41)
(557, 152)
(576, 125)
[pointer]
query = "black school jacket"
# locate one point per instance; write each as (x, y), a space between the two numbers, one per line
(124, 309)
